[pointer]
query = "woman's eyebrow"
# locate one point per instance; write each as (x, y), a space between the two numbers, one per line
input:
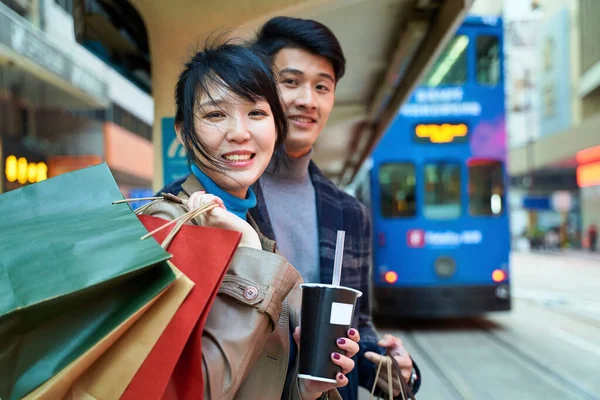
(213, 102)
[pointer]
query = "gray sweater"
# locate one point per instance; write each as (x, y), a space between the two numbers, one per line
(290, 199)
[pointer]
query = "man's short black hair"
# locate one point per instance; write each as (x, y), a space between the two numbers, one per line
(296, 33)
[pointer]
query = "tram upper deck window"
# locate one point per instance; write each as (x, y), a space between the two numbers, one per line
(486, 188)
(488, 60)
(451, 67)
(442, 191)
(397, 190)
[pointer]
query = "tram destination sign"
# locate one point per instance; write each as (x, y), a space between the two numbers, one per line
(441, 133)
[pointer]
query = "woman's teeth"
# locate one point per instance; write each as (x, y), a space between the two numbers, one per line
(238, 157)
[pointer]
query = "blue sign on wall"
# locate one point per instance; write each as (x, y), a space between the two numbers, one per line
(175, 162)
(555, 74)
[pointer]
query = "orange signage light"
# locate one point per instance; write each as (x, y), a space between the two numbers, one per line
(588, 155)
(444, 133)
(588, 175)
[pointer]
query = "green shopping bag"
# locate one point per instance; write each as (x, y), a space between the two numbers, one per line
(72, 268)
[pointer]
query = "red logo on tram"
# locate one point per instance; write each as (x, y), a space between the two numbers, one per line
(415, 238)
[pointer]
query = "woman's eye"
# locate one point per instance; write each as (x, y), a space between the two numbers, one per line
(215, 114)
(255, 113)
(290, 81)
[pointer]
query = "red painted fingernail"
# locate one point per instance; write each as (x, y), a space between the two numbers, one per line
(352, 332)
(341, 341)
(340, 377)
(336, 356)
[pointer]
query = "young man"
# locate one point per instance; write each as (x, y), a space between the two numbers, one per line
(299, 207)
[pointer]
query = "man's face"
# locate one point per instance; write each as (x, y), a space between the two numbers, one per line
(307, 85)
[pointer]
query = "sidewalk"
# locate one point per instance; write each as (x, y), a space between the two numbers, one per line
(574, 253)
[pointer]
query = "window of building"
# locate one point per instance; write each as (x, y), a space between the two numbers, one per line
(486, 188)
(66, 5)
(488, 60)
(397, 190)
(451, 67)
(442, 191)
(130, 122)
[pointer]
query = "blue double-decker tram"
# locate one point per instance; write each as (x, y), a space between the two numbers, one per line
(436, 185)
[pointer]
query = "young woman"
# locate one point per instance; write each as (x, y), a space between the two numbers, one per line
(230, 119)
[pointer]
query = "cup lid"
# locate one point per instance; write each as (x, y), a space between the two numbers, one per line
(358, 292)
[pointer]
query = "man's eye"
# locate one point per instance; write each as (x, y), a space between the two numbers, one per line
(322, 88)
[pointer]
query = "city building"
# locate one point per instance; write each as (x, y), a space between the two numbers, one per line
(64, 103)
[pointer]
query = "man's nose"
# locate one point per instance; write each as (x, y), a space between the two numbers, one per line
(307, 99)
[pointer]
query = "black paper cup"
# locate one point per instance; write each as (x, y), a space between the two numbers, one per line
(326, 316)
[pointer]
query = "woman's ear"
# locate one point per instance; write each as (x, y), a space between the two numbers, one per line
(177, 127)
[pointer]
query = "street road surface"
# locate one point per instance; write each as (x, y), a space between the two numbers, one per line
(547, 347)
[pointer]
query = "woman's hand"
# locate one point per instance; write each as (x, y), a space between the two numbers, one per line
(219, 217)
(310, 390)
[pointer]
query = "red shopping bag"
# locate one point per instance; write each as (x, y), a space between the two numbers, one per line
(203, 255)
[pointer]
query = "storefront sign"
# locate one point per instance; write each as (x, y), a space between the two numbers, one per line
(22, 171)
(21, 165)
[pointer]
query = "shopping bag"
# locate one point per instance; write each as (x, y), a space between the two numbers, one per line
(60, 384)
(105, 370)
(65, 250)
(44, 351)
(203, 255)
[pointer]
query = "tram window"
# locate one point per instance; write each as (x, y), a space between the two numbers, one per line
(488, 60)
(451, 67)
(486, 188)
(397, 190)
(442, 191)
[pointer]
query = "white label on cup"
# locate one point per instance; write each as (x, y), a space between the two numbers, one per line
(341, 314)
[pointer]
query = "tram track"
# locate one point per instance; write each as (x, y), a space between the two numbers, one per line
(473, 362)
(570, 384)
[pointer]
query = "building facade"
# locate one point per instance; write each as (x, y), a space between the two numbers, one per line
(62, 105)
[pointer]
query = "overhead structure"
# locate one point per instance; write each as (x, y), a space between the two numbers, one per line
(389, 45)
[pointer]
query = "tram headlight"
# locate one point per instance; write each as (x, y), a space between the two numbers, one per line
(391, 277)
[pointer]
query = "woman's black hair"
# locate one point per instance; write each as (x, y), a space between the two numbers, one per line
(287, 32)
(245, 73)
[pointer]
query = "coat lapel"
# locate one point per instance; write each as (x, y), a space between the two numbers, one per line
(330, 219)
(260, 214)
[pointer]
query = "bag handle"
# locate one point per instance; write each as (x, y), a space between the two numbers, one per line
(392, 366)
(179, 221)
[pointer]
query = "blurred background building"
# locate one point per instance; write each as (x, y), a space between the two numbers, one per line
(553, 73)
(66, 104)
(76, 89)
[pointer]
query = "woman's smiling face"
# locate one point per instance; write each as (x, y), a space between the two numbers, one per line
(239, 133)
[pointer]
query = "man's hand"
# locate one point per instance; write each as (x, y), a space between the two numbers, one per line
(400, 355)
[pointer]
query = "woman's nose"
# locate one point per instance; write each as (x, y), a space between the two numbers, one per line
(238, 130)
